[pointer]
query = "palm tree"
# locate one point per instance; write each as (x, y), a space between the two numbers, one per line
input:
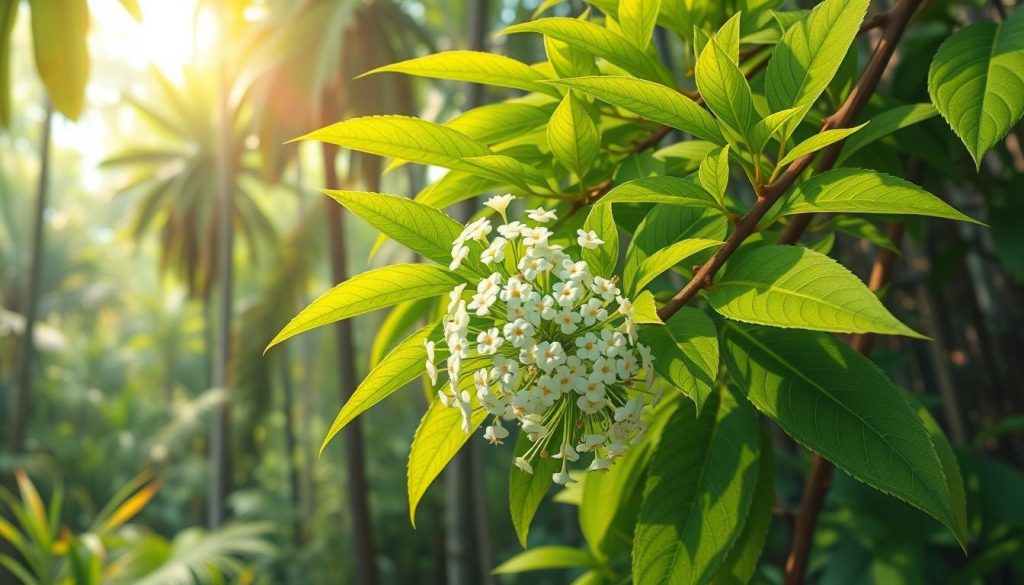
(185, 186)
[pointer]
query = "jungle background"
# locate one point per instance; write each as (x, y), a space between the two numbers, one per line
(131, 350)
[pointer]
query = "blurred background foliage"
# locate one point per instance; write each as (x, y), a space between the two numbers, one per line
(120, 398)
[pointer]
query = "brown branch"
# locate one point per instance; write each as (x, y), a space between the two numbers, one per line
(897, 22)
(819, 480)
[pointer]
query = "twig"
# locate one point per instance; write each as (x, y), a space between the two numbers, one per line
(770, 194)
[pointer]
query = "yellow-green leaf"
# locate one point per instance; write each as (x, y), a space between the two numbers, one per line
(59, 29)
(652, 101)
(370, 291)
(572, 135)
(789, 286)
(438, 438)
(473, 67)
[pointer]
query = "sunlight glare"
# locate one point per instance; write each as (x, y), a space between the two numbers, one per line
(172, 34)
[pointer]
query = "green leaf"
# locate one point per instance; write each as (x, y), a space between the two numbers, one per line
(772, 125)
(572, 136)
(602, 259)
(850, 190)
(637, 19)
(472, 67)
(546, 557)
(664, 259)
(714, 173)
(611, 500)
(568, 60)
(976, 81)
(950, 466)
(741, 563)
(686, 353)
(724, 88)
(728, 38)
(652, 101)
(599, 42)
(8, 14)
(498, 122)
(438, 438)
(789, 286)
(527, 490)
(836, 402)
(401, 137)
(884, 124)
(810, 53)
(667, 224)
(817, 142)
(421, 228)
(402, 365)
(503, 168)
(646, 309)
(669, 190)
(370, 291)
(698, 493)
(59, 29)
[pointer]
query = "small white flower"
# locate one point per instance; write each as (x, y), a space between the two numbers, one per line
(466, 408)
(550, 355)
(528, 354)
(500, 203)
(511, 230)
(488, 342)
(495, 433)
(532, 266)
(548, 390)
(573, 270)
(588, 239)
(630, 410)
(587, 347)
(459, 346)
(477, 230)
(647, 360)
(504, 369)
(590, 443)
(482, 303)
(541, 215)
(628, 366)
(495, 252)
(568, 453)
(626, 308)
(567, 320)
(515, 292)
(605, 370)
(431, 367)
(562, 478)
(600, 464)
(454, 297)
(567, 293)
(612, 343)
(589, 406)
(537, 235)
(593, 311)
(523, 464)
(604, 287)
(459, 253)
(518, 332)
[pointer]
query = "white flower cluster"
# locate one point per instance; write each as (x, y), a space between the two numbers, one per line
(545, 343)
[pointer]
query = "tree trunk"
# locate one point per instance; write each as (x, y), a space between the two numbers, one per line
(468, 547)
(220, 436)
(21, 398)
(284, 364)
(352, 436)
